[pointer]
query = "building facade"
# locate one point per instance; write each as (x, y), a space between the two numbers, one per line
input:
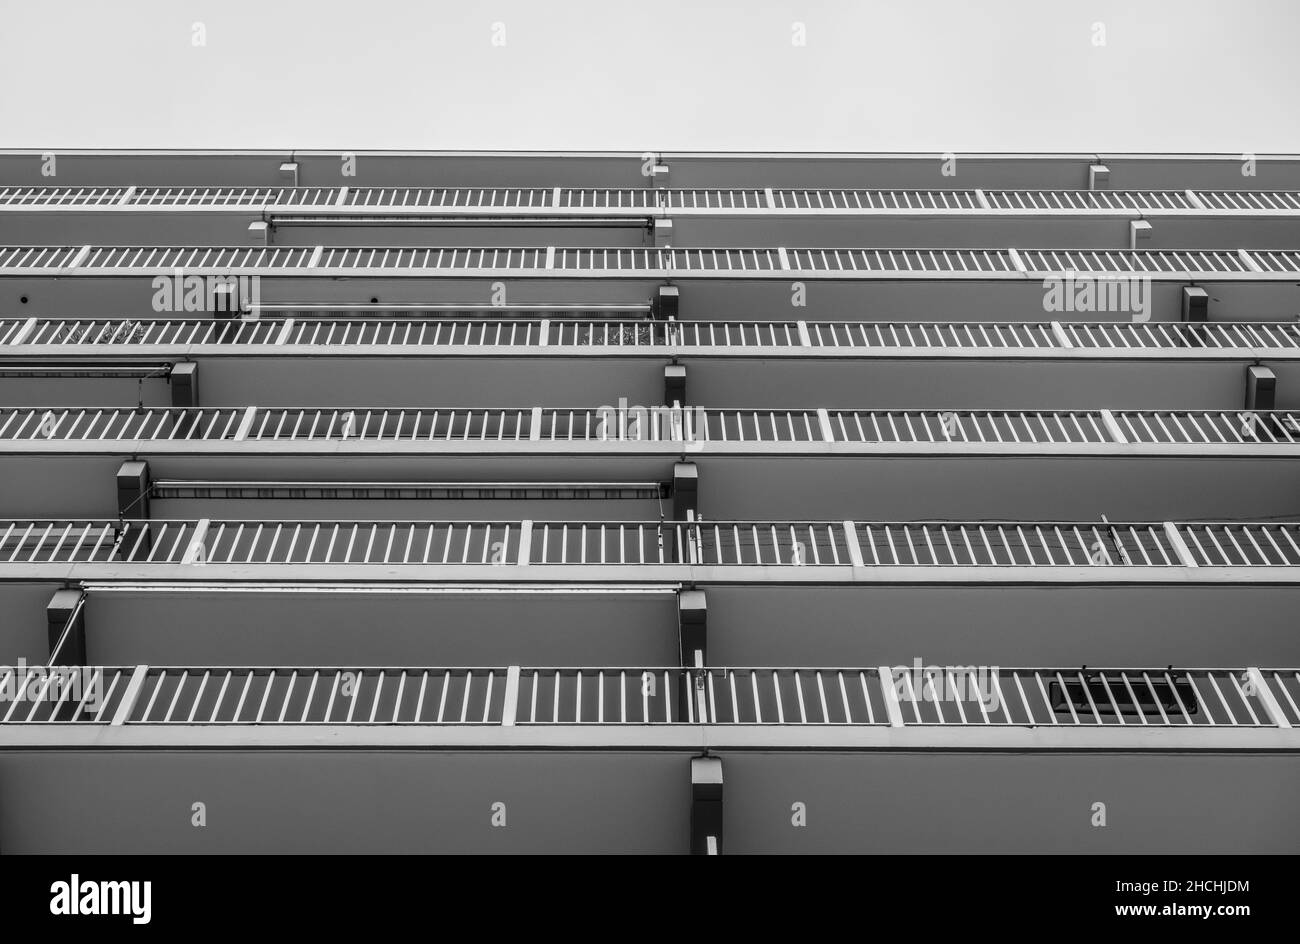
(490, 502)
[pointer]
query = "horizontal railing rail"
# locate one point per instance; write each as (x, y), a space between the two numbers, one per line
(664, 263)
(945, 544)
(899, 696)
(643, 334)
(757, 201)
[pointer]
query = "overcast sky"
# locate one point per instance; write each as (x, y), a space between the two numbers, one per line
(897, 75)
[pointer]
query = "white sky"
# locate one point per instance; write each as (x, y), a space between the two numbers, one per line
(892, 75)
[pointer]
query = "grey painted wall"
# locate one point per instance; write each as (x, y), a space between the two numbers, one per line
(305, 628)
(364, 801)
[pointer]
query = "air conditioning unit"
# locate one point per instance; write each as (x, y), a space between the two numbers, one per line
(1079, 687)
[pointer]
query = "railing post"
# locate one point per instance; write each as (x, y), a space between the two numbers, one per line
(851, 540)
(805, 339)
(132, 694)
(1112, 427)
(79, 258)
(245, 424)
(1062, 339)
(1256, 679)
(21, 336)
(1249, 261)
(510, 704)
(535, 425)
(196, 552)
(1179, 545)
(544, 335)
(525, 543)
(885, 675)
(824, 421)
(287, 330)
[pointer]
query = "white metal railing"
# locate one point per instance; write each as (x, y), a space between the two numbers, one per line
(1249, 201)
(900, 696)
(968, 426)
(375, 425)
(1016, 544)
(1209, 427)
(138, 332)
(59, 424)
(37, 258)
(1074, 201)
(607, 262)
(187, 258)
(271, 696)
(61, 197)
(875, 201)
(1219, 335)
(983, 262)
(1041, 263)
(1094, 697)
(1240, 429)
(1233, 338)
(254, 198)
(1260, 544)
(705, 543)
(345, 200)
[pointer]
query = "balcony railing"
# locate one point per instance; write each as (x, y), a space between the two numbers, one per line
(784, 544)
(641, 335)
(653, 264)
(344, 201)
(900, 696)
(1066, 430)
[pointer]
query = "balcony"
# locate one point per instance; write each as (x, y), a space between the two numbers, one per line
(728, 283)
(333, 359)
(1182, 219)
(954, 707)
(948, 463)
(782, 552)
(597, 745)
